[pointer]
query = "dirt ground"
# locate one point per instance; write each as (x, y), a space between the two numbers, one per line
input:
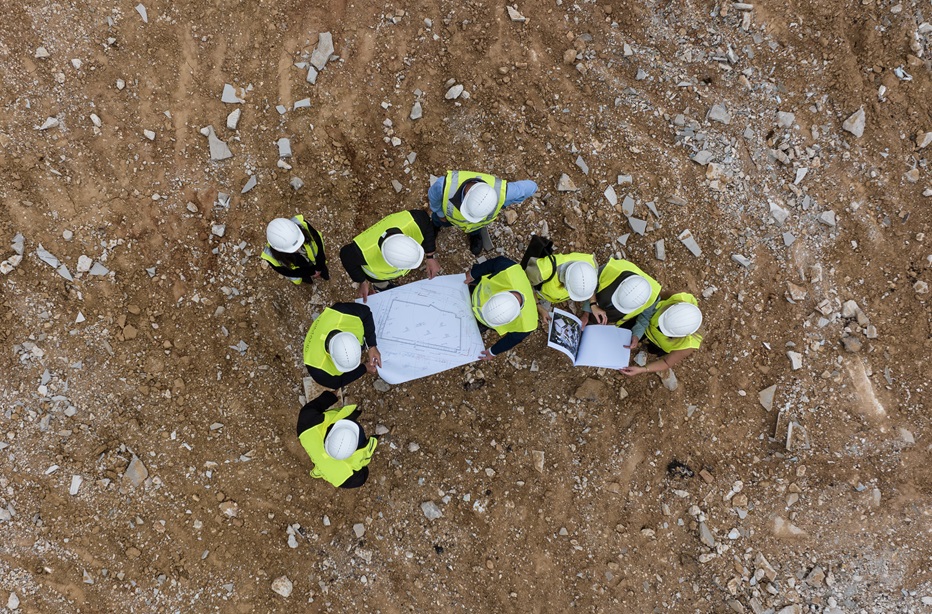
(168, 377)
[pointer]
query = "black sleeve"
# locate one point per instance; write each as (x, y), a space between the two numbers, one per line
(321, 264)
(507, 342)
(351, 257)
(312, 413)
(282, 270)
(362, 312)
(422, 219)
(490, 267)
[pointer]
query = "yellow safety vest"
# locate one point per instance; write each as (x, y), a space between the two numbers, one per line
(671, 344)
(315, 343)
(452, 183)
(369, 243)
(622, 268)
(325, 466)
(511, 279)
(310, 249)
(554, 290)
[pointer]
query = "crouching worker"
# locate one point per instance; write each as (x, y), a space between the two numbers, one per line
(503, 300)
(336, 443)
(669, 331)
(333, 345)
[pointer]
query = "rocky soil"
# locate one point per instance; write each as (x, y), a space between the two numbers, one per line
(773, 159)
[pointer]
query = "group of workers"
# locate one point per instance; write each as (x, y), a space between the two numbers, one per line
(507, 297)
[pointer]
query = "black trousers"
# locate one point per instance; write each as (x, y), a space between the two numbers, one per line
(335, 382)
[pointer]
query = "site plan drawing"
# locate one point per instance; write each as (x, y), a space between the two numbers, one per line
(424, 327)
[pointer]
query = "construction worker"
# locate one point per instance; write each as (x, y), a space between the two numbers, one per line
(296, 250)
(561, 277)
(390, 249)
(333, 345)
(624, 292)
(503, 300)
(336, 443)
(471, 201)
(670, 333)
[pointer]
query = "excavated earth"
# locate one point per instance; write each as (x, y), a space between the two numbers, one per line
(147, 434)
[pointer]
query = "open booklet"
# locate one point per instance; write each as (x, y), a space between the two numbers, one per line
(597, 345)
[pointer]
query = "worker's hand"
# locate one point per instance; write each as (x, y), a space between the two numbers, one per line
(633, 344)
(584, 319)
(469, 278)
(544, 315)
(375, 357)
(433, 268)
(364, 291)
(633, 370)
(600, 316)
(486, 355)
(316, 275)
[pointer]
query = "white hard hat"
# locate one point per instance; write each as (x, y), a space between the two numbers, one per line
(342, 440)
(501, 309)
(479, 202)
(581, 280)
(631, 294)
(345, 351)
(680, 320)
(284, 235)
(402, 252)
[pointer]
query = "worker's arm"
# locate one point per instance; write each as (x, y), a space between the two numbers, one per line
(352, 259)
(666, 362)
(363, 313)
(640, 325)
(517, 191)
(312, 413)
(507, 342)
(422, 219)
(490, 267)
(435, 196)
(321, 264)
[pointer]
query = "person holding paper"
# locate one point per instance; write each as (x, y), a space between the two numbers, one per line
(562, 277)
(470, 201)
(336, 442)
(624, 292)
(670, 333)
(390, 249)
(333, 345)
(503, 300)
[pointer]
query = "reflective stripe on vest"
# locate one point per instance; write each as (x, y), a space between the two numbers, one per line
(326, 467)
(310, 249)
(368, 242)
(671, 344)
(315, 343)
(452, 183)
(511, 279)
(555, 290)
(618, 270)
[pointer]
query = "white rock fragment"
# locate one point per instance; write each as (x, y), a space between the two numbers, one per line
(702, 158)
(304, 103)
(454, 92)
(51, 122)
(610, 196)
(627, 206)
(924, 140)
(565, 184)
(416, 111)
(514, 15)
(95, 120)
(779, 214)
(233, 119)
(431, 511)
(218, 149)
(232, 95)
(12, 603)
(582, 165)
(785, 120)
(84, 264)
(718, 113)
(742, 260)
(284, 147)
(296, 183)
(76, 481)
(659, 250)
(828, 218)
(120, 84)
(796, 360)
(282, 109)
(765, 397)
(312, 75)
(47, 257)
(250, 184)
(396, 185)
(323, 51)
(855, 123)
(359, 529)
(41, 53)
(142, 13)
(149, 134)
(282, 586)
(80, 318)
(686, 238)
(638, 225)
(136, 472)
(76, 63)
(218, 230)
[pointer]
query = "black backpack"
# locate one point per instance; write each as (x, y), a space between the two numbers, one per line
(540, 247)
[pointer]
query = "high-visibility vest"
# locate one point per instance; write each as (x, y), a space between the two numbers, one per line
(671, 344)
(511, 279)
(326, 467)
(315, 343)
(554, 290)
(369, 243)
(614, 272)
(452, 183)
(310, 250)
